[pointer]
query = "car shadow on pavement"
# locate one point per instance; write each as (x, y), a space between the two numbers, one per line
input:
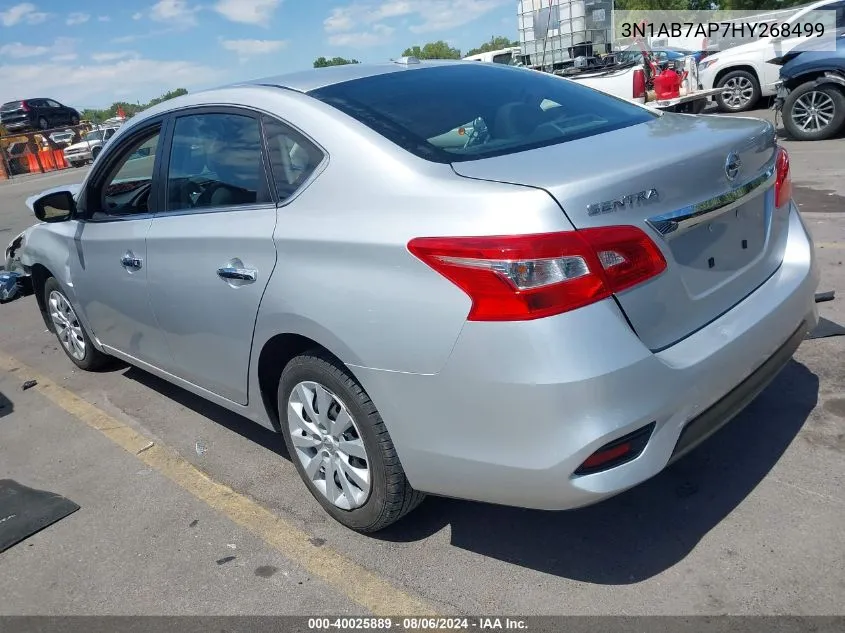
(6, 406)
(648, 529)
(236, 423)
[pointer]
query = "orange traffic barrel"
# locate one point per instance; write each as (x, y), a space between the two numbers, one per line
(32, 164)
(59, 158)
(48, 162)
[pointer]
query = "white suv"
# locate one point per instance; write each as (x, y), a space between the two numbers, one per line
(744, 71)
(89, 147)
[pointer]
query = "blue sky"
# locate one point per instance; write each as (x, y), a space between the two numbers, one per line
(90, 53)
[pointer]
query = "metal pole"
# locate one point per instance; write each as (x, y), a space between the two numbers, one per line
(546, 36)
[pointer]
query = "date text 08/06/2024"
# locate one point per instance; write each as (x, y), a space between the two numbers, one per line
(415, 623)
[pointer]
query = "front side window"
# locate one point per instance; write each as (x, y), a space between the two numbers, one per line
(127, 188)
(470, 111)
(53, 104)
(215, 161)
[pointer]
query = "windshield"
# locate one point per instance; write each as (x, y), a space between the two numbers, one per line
(96, 135)
(460, 112)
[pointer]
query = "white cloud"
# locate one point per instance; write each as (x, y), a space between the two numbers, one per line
(126, 39)
(427, 15)
(16, 50)
(250, 48)
(67, 57)
(62, 48)
(22, 13)
(104, 18)
(137, 16)
(174, 11)
(378, 34)
(134, 79)
(247, 11)
(77, 18)
(110, 57)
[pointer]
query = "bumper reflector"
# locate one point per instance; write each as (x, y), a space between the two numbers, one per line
(617, 452)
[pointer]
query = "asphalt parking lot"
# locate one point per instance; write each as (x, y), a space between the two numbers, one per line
(186, 508)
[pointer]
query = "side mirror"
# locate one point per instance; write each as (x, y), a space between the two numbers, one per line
(58, 206)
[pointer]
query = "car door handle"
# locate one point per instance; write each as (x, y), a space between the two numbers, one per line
(130, 261)
(240, 274)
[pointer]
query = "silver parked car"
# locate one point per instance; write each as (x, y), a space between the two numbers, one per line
(464, 279)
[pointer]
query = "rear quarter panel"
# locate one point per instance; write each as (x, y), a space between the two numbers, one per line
(344, 276)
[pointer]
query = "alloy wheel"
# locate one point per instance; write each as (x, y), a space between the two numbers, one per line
(737, 92)
(329, 445)
(813, 111)
(68, 327)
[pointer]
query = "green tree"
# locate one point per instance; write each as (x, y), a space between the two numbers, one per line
(322, 62)
(496, 43)
(433, 50)
(93, 114)
(758, 5)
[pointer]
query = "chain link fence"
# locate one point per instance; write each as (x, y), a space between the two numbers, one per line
(39, 151)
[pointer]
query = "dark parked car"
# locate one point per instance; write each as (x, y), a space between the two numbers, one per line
(811, 95)
(660, 54)
(36, 114)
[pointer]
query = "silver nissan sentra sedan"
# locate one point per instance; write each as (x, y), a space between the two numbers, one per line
(461, 279)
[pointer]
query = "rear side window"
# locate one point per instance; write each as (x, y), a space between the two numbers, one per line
(469, 111)
(292, 157)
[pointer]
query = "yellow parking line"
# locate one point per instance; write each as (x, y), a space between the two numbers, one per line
(357, 583)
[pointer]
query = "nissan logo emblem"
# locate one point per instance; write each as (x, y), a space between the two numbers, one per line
(732, 165)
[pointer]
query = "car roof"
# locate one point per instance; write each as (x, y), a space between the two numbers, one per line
(314, 78)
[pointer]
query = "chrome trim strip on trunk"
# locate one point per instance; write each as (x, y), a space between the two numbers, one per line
(676, 222)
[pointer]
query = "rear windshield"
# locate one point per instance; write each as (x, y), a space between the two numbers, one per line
(8, 107)
(470, 111)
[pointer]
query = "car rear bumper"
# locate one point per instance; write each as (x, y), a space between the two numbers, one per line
(520, 406)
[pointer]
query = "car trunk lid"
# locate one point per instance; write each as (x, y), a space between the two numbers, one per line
(701, 187)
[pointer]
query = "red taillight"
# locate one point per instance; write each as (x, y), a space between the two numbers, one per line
(783, 181)
(639, 83)
(24, 106)
(522, 277)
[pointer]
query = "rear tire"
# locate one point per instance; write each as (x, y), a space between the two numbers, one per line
(95, 152)
(43, 124)
(802, 123)
(389, 496)
(70, 332)
(741, 91)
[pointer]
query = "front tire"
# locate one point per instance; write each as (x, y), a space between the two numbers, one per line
(814, 113)
(740, 91)
(69, 330)
(340, 445)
